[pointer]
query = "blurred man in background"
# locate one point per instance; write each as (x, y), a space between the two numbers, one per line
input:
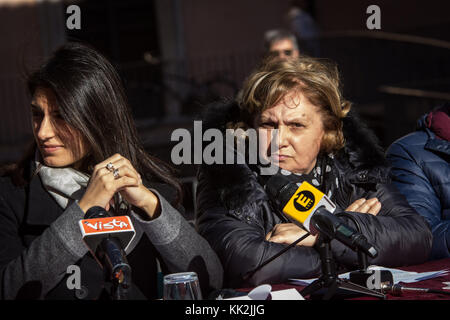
(421, 171)
(280, 44)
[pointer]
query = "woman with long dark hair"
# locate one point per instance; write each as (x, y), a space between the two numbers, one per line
(86, 153)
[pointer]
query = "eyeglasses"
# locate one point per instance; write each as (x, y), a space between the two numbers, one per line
(279, 52)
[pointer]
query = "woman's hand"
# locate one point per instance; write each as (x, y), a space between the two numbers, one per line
(371, 206)
(287, 233)
(103, 185)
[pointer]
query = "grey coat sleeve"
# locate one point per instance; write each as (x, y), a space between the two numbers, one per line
(181, 247)
(45, 262)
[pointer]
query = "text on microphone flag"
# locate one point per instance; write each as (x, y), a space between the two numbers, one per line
(118, 223)
(303, 202)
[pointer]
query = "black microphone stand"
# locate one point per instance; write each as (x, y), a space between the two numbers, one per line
(116, 269)
(329, 279)
(117, 273)
(361, 276)
(121, 275)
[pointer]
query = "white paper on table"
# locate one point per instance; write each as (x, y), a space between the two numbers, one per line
(397, 274)
(239, 298)
(288, 294)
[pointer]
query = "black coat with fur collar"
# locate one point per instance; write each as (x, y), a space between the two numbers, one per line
(234, 213)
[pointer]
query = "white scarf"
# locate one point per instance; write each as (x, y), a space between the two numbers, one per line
(66, 185)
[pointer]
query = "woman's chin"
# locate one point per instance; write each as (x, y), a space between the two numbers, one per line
(292, 169)
(55, 162)
(284, 165)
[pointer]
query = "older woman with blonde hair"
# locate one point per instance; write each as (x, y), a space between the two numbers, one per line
(319, 140)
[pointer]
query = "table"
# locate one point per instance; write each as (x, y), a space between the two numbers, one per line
(435, 283)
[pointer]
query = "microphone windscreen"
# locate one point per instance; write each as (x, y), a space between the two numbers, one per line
(96, 212)
(275, 184)
(280, 189)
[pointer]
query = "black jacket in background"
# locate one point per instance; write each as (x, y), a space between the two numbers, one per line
(421, 171)
(234, 213)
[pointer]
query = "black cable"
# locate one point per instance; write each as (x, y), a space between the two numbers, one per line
(439, 291)
(252, 272)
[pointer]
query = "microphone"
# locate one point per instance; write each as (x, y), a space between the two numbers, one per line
(106, 236)
(311, 209)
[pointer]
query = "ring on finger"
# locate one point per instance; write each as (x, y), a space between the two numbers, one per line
(116, 173)
(110, 167)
